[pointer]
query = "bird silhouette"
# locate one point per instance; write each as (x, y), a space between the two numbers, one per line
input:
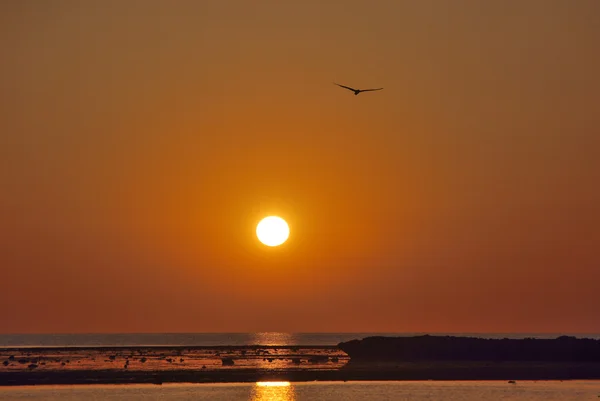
(357, 91)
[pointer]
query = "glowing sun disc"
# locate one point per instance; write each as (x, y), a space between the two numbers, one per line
(272, 231)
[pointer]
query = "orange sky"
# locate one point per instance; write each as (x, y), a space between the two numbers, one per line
(141, 142)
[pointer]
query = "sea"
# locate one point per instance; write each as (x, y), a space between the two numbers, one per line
(317, 391)
(224, 339)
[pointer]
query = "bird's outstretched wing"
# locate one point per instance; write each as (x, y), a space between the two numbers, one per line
(370, 90)
(346, 87)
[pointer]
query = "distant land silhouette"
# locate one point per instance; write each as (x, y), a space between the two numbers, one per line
(451, 348)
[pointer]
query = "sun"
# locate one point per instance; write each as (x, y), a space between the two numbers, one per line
(272, 231)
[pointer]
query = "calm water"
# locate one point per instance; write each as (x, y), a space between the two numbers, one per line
(217, 339)
(323, 391)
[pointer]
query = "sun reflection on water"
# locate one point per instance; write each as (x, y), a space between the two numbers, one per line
(273, 391)
(273, 384)
(273, 338)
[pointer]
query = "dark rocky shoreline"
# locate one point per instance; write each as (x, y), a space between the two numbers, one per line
(146, 364)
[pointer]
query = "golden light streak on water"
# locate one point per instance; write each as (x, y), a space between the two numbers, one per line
(273, 391)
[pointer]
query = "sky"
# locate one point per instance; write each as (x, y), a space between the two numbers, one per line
(142, 141)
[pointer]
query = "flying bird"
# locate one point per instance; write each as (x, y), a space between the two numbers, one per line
(357, 91)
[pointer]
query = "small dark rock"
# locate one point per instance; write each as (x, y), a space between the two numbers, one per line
(227, 361)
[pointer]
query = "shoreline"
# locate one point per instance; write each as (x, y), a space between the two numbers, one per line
(458, 371)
